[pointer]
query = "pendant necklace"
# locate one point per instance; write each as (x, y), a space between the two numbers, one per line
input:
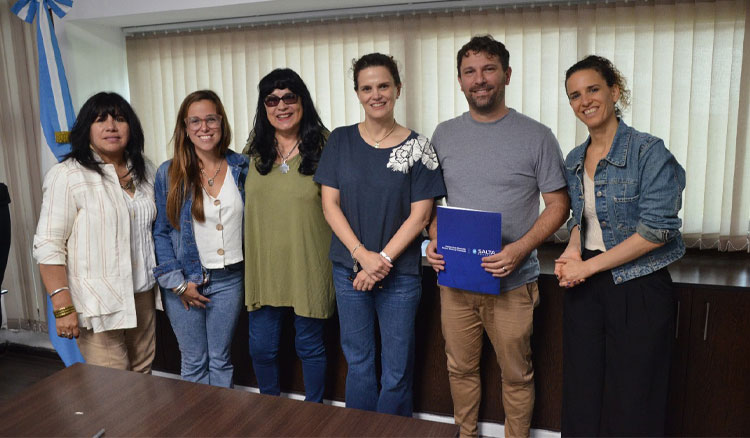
(128, 186)
(285, 167)
(211, 180)
(377, 142)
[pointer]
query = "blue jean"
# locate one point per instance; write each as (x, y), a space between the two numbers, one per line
(205, 335)
(265, 333)
(395, 305)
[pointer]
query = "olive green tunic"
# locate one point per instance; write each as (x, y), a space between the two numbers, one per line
(286, 243)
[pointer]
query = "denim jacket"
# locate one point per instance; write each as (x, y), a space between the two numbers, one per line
(177, 256)
(639, 188)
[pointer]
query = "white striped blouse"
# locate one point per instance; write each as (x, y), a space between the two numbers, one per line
(84, 224)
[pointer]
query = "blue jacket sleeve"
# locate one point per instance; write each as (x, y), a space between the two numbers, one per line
(662, 180)
(168, 270)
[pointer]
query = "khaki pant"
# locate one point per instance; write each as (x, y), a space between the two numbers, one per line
(129, 349)
(508, 320)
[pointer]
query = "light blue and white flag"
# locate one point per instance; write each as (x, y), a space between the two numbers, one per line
(56, 113)
(55, 107)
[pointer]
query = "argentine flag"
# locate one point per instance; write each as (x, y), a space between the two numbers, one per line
(56, 113)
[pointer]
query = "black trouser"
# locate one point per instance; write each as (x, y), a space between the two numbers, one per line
(4, 235)
(617, 342)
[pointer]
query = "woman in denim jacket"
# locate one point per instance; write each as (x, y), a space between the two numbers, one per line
(198, 238)
(626, 191)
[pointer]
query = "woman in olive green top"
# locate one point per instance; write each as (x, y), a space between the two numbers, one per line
(286, 236)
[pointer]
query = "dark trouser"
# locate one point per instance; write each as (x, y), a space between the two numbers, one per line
(4, 235)
(617, 342)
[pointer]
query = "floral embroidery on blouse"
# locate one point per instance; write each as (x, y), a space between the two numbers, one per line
(417, 149)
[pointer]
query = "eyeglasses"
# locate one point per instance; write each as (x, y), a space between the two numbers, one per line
(273, 100)
(213, 121)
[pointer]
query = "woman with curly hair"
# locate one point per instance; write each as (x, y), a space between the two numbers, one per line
(626, 191)
(286, 236)
(379, 182)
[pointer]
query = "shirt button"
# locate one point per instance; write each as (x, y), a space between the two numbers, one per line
(219, 227)
(220, 251)
(619, 279)
(599, 193)
(217, 202)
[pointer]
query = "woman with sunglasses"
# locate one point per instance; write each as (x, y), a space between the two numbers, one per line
(379, 181)
(198, 237)
(287, 272)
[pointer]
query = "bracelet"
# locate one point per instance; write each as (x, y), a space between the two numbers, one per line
(355, 250)
(385, 256)
(58, 290)
(179, 290)
(64, 311)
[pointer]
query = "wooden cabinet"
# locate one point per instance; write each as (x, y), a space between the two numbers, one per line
(715, 389)
(709, 382)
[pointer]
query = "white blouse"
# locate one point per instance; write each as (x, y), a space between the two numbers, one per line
(219, 237)
(592, 239)
(142, 211)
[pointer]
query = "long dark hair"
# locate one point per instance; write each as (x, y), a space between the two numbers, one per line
(102, 105)
(184, 172)
(312, 132)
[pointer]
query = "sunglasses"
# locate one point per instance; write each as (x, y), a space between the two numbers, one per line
(273, 100)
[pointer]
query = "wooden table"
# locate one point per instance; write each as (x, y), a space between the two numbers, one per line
(84, 399)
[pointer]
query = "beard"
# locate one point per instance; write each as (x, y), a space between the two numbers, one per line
(488, 103)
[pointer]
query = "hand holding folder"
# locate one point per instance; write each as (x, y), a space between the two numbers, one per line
(464, 237)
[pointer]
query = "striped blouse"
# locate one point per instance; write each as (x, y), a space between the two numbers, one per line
(85, 225)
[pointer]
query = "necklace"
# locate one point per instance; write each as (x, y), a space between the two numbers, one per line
(129, 186)
(285, 167)
(211, 180)
(377, 142)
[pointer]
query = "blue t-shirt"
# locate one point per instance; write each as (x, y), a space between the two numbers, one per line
(377, 187)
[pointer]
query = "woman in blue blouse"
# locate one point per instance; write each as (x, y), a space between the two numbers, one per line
(198, 238)
(626, 191)
(378, 181)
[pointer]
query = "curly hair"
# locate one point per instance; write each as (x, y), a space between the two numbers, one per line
(101, 105)
(484, 44)
(261, 144)
(611, 75)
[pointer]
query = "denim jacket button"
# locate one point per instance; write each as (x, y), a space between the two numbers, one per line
(619, 280)
(604, 223)
(599, 194)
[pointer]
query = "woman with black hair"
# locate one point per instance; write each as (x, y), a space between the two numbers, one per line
(93, 242)
(286, 236)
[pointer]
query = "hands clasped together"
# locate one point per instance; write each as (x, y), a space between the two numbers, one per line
(375, 268)
(570, 269)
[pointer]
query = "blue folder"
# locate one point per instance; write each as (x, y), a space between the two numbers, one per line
(464, 236)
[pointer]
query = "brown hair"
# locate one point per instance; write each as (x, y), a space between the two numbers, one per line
(184, 172)
(611, 75)
(375, 60)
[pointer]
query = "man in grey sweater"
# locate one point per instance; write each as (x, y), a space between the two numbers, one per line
(496, 159)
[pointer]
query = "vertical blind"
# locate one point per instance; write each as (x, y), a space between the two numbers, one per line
(683, 61)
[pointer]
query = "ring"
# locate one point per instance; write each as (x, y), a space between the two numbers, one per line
(503, 268)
